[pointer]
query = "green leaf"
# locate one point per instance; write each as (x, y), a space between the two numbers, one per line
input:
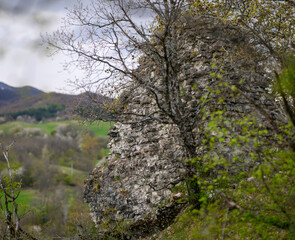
(233, 88)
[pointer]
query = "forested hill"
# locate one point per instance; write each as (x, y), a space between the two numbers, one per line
(32, 102)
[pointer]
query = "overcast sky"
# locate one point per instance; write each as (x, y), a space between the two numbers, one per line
(23, 59)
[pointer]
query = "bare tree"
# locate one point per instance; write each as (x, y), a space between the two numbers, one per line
(109, 40)
(106, 40)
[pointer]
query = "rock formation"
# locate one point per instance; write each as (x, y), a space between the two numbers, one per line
(147, 160)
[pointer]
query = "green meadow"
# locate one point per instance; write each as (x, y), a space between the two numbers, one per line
(99, 128)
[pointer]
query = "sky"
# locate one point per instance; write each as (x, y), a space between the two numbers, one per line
(23, 57)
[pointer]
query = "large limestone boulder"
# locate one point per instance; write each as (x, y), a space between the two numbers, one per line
(138, 181)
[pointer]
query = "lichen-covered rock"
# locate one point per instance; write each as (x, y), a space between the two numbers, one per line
(147, 160)
(139, 177)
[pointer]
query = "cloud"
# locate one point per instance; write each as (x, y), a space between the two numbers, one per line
(27, 6)
(22, 57)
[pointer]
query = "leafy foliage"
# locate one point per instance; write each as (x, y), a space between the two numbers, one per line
(246, 174)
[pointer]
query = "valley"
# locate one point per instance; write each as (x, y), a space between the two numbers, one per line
(52, 155)
(52, 159)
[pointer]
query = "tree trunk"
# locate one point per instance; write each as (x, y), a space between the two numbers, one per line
(193, 187)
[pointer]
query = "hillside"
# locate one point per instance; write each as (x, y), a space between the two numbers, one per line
(38, 101)
(10, 94)
(17, 101)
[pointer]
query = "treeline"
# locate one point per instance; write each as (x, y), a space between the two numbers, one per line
(39, 113)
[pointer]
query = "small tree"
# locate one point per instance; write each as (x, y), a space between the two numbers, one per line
(11, 190)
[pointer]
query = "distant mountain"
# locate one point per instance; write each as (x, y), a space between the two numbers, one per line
(10, 94)
(24, 100)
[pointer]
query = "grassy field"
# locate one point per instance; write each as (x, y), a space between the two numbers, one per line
(25, 199)
(99, 128)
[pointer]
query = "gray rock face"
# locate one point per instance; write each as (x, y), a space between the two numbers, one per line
(139, 176)
(147, 160)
